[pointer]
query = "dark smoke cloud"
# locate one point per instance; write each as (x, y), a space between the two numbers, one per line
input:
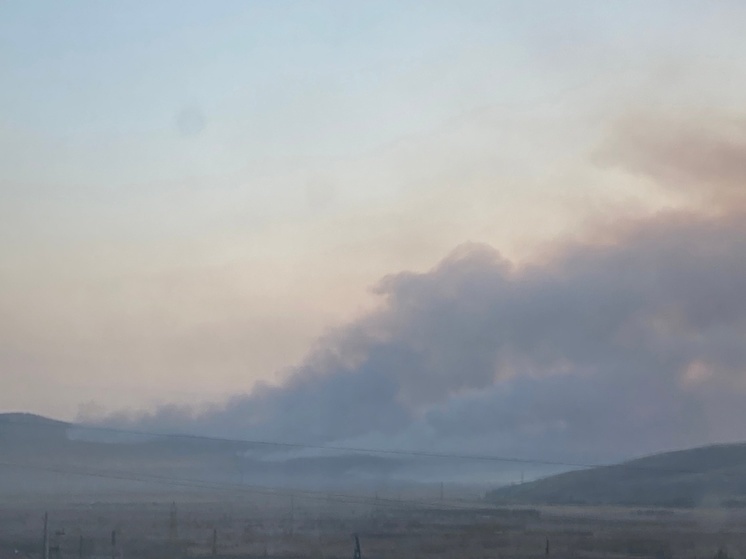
(607, 349)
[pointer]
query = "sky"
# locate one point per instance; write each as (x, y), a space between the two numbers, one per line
(456, 225)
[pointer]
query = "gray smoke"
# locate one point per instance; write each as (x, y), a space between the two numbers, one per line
(622, 346)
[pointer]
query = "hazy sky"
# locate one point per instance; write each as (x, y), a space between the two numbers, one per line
(193, 195)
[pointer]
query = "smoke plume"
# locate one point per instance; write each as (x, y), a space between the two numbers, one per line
(621, 344)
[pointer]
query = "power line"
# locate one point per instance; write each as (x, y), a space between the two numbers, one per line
(345, 498)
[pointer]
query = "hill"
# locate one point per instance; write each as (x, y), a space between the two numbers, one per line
(705, 476)
(28, 418)
(42, 456)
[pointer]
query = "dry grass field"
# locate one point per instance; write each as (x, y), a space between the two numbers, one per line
(300, 526)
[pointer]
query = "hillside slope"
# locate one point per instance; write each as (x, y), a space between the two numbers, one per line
(704, 476)
(40, 455)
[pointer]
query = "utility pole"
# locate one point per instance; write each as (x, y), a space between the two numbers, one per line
(45, 538)
(357, 554)
(441, 491)
(173, 524)
(292, 514)
(113, 544)
(214, 542)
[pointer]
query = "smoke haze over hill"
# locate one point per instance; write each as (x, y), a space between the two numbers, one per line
(493, 228)
(624, 342)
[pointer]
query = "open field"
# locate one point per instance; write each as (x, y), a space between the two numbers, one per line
(239, 494)
(300, 526)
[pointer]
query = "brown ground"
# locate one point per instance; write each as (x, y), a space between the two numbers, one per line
(323, 527)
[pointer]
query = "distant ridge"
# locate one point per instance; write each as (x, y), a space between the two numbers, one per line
(29, 418)
(43, 456)
(705, 476)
